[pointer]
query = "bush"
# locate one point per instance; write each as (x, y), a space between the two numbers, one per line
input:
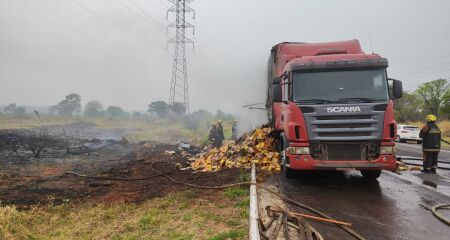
(196, 119)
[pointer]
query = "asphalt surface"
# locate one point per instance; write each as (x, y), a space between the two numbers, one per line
(393, 207)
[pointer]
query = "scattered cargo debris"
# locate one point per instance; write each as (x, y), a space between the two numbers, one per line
(401, 166)
(257, 147)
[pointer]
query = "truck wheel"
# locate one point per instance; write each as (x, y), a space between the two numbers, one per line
(287, 171)
(370, 174)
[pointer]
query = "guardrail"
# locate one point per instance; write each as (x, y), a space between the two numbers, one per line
(253, 220)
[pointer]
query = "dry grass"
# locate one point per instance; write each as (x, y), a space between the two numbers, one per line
(185, 215)
(143, 129)
(7, 122)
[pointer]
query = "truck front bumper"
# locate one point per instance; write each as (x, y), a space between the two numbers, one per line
(307, 162)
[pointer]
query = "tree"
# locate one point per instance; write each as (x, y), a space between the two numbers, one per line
(160, 108)
(20, 112)
(71, 104)
(408, 108)
(195, 119)
(52, 110)
(93, 109)
(136, 114)
(178, 108)
(220, 114)
(224, 116)
(10, 107)
(445, 108)
(116, 112)
(432, 95)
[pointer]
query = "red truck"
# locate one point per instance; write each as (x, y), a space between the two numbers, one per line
(330, 105)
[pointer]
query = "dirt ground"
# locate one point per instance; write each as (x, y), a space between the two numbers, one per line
(26, 180)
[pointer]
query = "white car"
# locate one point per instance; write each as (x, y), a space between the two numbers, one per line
(408, 133)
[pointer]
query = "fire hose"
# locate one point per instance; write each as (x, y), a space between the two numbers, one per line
(164, 174)
(439, 216)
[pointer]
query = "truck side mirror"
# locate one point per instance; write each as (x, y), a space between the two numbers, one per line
(276, 93)
(397, 88)
(276, 81)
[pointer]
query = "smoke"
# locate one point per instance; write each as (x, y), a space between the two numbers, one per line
(51, 48)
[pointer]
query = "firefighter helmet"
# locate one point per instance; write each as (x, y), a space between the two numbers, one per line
(431, 118)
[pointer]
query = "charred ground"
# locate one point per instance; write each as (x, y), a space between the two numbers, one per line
(26, 180)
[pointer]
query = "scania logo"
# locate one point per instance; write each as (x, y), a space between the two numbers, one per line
(343, 109)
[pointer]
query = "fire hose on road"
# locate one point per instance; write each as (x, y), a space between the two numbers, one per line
(439, 206)
(439, 216)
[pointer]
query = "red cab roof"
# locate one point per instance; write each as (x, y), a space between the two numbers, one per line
(287, 51)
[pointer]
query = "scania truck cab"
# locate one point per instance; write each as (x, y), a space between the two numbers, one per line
(330, 105)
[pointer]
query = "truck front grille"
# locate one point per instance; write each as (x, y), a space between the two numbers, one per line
(345, 134)
(345, 151)
(344, 127)
(324, 126)
(342, 117)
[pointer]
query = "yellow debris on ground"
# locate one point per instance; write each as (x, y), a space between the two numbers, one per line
(257, 147)
(403, 167)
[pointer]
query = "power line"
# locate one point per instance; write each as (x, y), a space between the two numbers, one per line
(162, 14)
(145, 14)
(419, 75)
(115, 24)
(164, 3)
(416, 43)
(140, 16)
(422, 57)
(424, 63)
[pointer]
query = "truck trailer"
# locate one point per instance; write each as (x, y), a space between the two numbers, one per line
(331, 107)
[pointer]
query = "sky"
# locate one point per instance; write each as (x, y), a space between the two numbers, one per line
(114, 51)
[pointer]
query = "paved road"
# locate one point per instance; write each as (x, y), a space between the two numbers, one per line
(441, 182)
(394, 207)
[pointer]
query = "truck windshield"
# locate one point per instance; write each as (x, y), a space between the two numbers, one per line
(342, 86)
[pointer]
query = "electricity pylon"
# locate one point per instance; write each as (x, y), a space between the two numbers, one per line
(179, 89)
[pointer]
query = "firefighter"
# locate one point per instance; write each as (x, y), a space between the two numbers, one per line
(219, 134)
(212, 134)
(431, 144)
(234, 130)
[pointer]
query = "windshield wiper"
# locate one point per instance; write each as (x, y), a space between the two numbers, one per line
(356, 99)
(314, 100)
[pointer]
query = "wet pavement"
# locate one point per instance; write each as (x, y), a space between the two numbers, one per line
(393, 207)
(439, 182)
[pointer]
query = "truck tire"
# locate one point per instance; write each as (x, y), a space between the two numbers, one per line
(287, 171)
(370, 174)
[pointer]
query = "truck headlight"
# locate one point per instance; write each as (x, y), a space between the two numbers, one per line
(298, 150)
(387, 150)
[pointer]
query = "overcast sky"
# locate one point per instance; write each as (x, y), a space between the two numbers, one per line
(112, 51)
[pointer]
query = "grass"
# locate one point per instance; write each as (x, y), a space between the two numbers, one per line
(233, 234)
(182, 215)
(140, 129)
(236, 192)
(159, 218)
